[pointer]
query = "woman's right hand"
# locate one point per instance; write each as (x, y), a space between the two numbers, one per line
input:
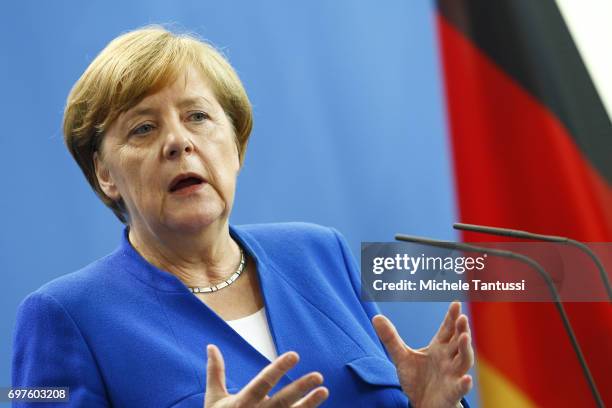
(298, 394)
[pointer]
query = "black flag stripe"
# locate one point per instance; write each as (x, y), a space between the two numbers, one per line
(530, 41)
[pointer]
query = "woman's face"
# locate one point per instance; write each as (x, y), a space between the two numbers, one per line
(172, 158)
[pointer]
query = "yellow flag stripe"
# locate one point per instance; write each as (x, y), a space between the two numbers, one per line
(497, 391)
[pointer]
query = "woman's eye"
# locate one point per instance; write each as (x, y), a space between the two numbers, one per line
(198, 116)
(142, 129)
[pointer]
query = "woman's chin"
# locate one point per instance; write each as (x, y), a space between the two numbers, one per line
(196, 222)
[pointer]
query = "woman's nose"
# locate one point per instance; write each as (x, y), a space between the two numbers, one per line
(177, 143)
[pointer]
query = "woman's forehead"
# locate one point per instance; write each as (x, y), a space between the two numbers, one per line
(190, 89)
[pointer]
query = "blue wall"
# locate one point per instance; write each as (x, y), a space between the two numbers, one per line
(349, 129)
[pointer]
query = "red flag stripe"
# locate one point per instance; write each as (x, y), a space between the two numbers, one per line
(517, 166)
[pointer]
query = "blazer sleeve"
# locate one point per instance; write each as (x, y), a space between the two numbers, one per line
(370, 308)
(50, 351)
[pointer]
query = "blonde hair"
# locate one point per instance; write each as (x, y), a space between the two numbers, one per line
(133, 66)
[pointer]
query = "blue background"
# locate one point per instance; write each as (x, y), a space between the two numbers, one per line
(350, 129)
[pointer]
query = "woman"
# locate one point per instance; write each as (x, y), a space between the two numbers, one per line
(159, 124)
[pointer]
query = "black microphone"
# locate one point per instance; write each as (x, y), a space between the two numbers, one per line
(542, 272)
(539, 237)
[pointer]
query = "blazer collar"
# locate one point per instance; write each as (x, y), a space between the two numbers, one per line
(146, 272)
(165, 281)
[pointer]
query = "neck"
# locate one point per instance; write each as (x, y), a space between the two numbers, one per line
(199, 258)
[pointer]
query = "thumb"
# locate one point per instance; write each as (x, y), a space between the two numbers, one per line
(390, 338)
(215, 375)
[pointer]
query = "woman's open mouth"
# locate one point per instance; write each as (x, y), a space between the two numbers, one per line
(186, 184)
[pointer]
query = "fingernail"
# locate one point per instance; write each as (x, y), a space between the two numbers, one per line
(293, 356)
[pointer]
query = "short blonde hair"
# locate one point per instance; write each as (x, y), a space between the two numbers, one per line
(133, 66)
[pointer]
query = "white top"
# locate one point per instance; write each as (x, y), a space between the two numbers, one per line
(255, 329)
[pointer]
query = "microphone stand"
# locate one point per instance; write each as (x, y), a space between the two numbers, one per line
(539, 237)
(554, 293)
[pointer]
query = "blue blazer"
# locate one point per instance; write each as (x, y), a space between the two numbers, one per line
(122, 333)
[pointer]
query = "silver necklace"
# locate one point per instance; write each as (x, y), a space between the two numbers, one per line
(225, 283)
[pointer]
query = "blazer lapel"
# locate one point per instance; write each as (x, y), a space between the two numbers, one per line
(297, 318)
(197, 325)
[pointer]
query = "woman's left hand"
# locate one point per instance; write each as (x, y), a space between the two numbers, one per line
(434, 376)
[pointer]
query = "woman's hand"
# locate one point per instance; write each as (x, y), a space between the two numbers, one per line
(434, 376)
(255, 393)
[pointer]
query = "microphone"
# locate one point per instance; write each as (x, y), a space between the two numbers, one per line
(547, 279)
(539, 237)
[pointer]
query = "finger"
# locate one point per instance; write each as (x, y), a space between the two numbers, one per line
(390, 338)
(461, 326)
(468, 329)
(257, 389)
(215, 374)
(447, 328)
(296, 390)
(465, 357)
(313, 399)
(464, 385)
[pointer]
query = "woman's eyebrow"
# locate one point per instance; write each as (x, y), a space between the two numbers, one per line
(138, 112)
(193, 101)
(182, 104)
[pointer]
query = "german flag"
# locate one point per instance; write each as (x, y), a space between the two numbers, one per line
(532, 150)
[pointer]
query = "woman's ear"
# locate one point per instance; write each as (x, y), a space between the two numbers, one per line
(105, 179)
